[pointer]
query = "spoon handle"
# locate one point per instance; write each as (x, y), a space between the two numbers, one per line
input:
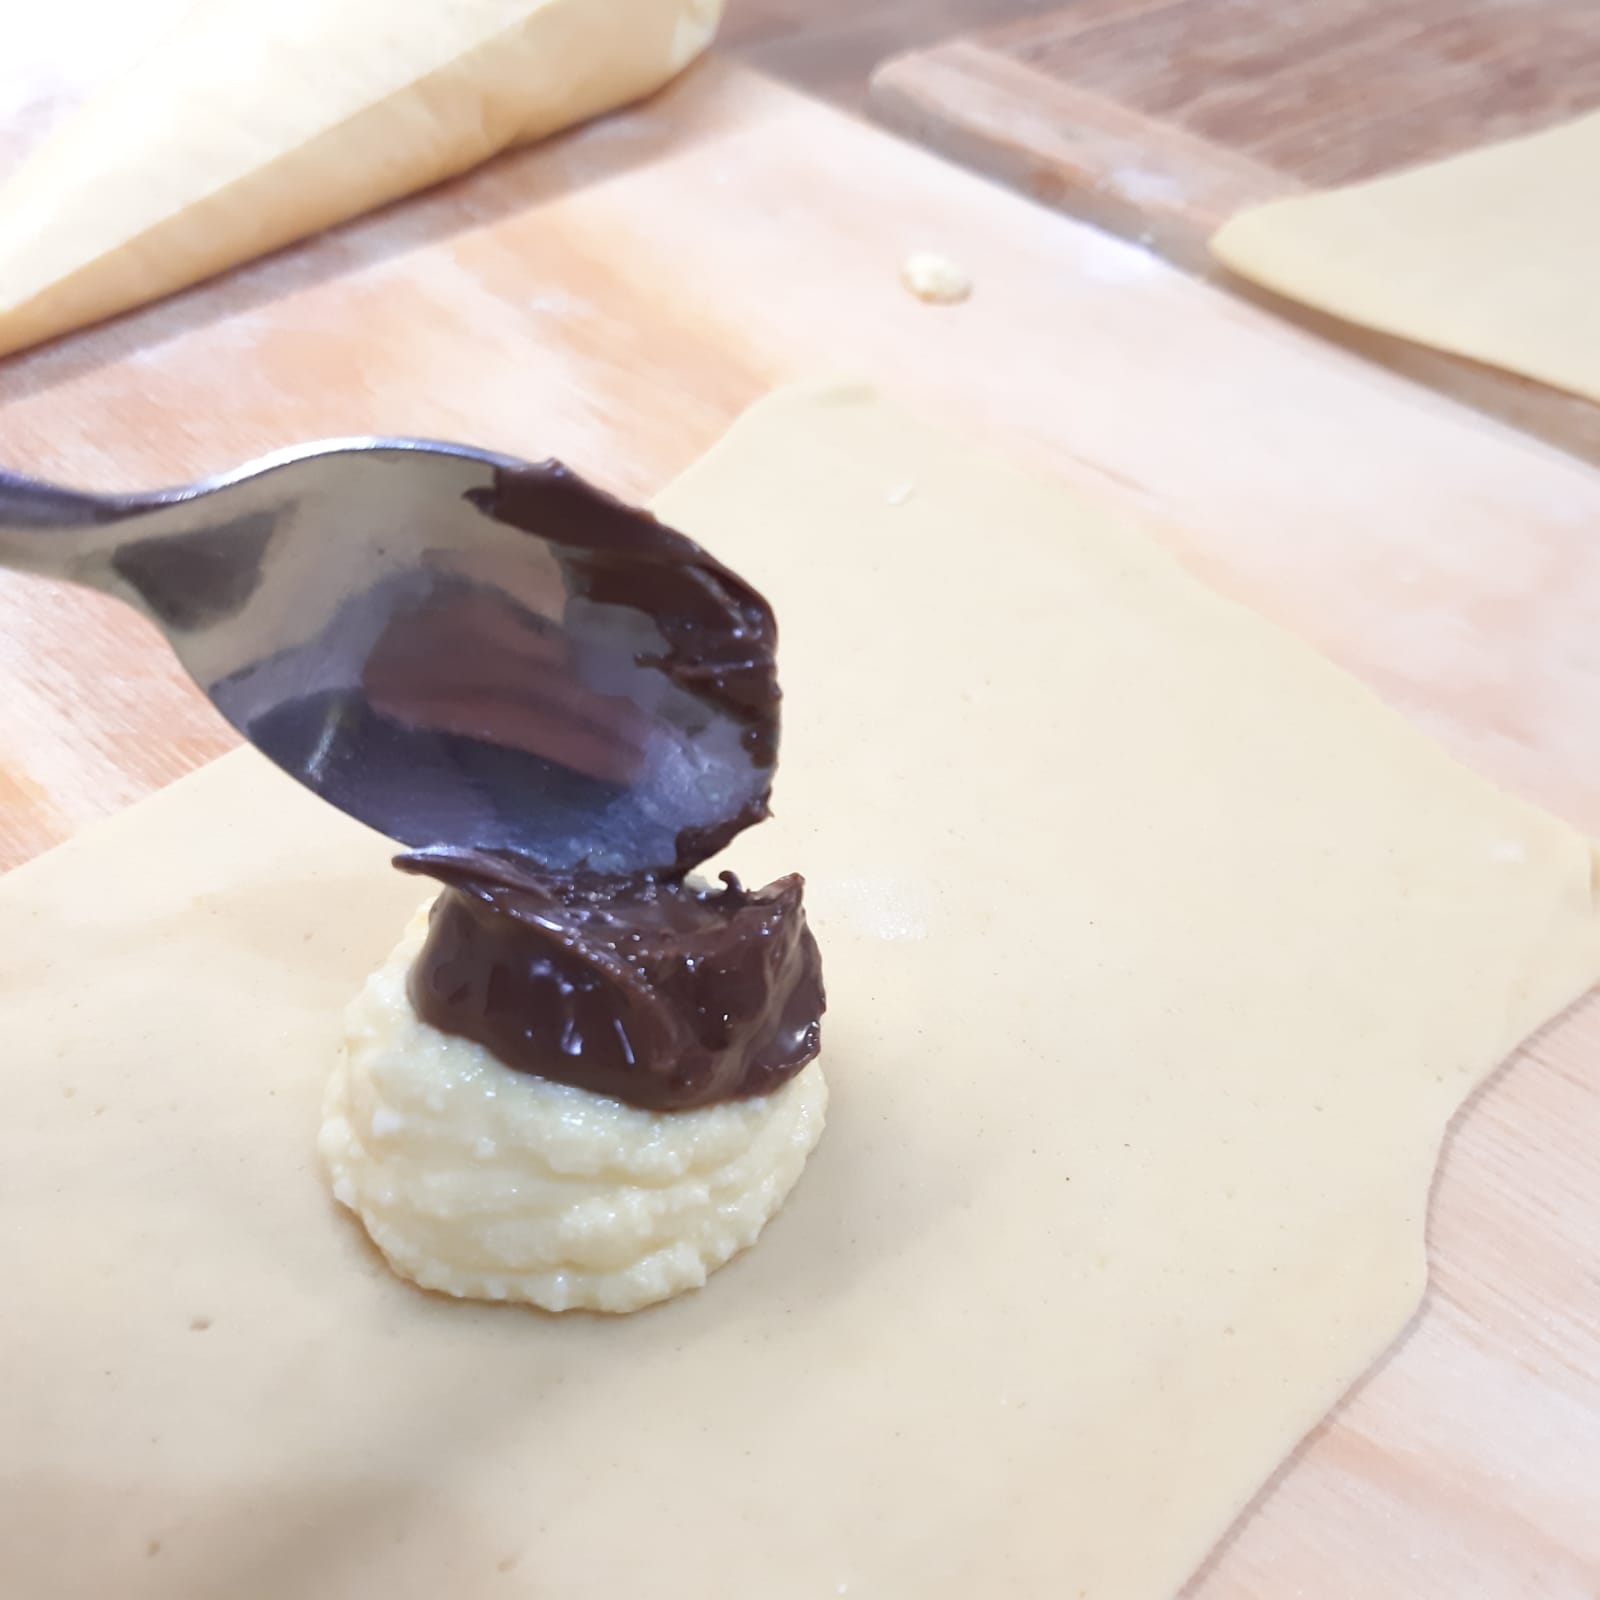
(37, 521)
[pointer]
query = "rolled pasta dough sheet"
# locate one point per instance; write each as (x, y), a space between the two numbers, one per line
(1494, 254)
(249, 126)
(1158, 952)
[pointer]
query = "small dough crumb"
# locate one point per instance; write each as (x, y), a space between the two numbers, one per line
(935, 279)
(490, 1184)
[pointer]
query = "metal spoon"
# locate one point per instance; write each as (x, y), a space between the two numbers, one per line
(454, 647)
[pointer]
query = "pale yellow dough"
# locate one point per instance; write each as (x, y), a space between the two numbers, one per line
(1494, 254)
(1158, 955)
(255, 124)
(489, 1184)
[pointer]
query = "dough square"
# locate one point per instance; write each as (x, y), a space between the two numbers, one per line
(1159, 954)
(1493, 254)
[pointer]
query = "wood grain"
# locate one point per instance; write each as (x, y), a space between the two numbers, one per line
(98, 714)
(1159, 119)
(1326, 91)
(615, 296)
(830, 47)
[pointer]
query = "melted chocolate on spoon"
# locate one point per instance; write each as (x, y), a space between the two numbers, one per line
(631, 984)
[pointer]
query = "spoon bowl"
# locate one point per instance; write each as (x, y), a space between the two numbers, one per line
(453, 646)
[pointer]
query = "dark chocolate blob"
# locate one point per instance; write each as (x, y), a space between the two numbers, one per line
(707, 660)
(656, 992)
(627, 983)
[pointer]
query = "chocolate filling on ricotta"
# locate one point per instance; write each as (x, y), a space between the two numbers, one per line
(637, 983)
(663, 994)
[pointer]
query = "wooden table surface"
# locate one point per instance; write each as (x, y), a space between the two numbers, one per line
(607, 298)
(1161, 119)
(829, 48)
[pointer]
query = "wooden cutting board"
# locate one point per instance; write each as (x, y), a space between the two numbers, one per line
(1159, 119)
(617, 295)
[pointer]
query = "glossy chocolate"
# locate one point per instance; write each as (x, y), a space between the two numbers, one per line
(653, 991)
(644, 680)
(664, 655)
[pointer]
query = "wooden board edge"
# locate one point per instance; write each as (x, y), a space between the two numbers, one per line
(1070, 148)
